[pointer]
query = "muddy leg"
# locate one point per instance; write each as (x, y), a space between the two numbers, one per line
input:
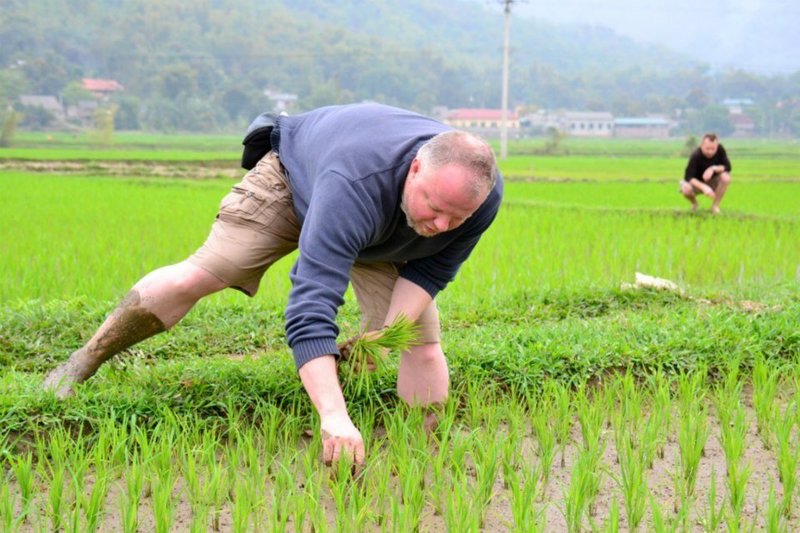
(155, 304)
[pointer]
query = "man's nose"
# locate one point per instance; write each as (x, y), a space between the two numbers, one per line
(442, 223)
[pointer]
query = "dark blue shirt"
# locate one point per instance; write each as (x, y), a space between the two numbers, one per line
(347, 166)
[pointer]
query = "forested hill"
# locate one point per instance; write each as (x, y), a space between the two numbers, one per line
(212, 59)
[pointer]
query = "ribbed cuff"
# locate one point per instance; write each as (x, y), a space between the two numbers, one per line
(305, 351)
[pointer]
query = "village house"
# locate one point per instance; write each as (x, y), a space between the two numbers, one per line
(486, 122)
(642, 127)
(45, 101)
(101, 89)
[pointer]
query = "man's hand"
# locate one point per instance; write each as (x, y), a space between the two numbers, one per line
(346, 349)
(341, 437)
(709, 173)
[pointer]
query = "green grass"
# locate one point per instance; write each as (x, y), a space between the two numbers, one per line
(610, 168)
(76, 236)
(538, 308)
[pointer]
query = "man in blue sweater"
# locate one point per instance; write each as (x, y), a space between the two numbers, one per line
(387, 199)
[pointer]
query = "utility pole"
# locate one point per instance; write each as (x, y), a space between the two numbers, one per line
(504, 104)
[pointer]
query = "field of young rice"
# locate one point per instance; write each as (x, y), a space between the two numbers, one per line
(577, 404)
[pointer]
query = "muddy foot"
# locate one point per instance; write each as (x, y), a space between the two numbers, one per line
(62, 379)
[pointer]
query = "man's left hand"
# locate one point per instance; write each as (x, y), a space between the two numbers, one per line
(346, 350)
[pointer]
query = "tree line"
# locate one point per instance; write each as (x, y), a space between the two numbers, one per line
(205, 65)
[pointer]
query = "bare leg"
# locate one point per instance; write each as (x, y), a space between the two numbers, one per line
(688, 192)
(423, 378)
(722, 186)
(156, 303)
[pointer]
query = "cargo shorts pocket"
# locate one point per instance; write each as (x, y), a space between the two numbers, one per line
(247, 206)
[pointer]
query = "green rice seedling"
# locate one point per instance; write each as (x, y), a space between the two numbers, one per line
(379, 475)
(665, 525)
(693, 431)
(370, 351)
(659, 423)
(439, 474)
(591, 415)
(632, 479)
(522, 487)
(313, 494)
(190, 471)
(714, 514)
(93, 505)
(243, 503)
(282, 489)
(577, 498)
(612, 523)
(630, 407)
(765, 389)
(773, 519)
(459, 511)
(733, 433)
(486, 460)
(557, 396)
(163, 504)
(545, 446)
(478, 396)
(129, 503)
(56, 500)
(659, 524)
(7, 501)
(22, 466)
(788, 457)
(412, 497)
(216, 486)
(350, 500)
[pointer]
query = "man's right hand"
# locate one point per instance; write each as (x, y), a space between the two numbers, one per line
(341, 437)
(709, 173)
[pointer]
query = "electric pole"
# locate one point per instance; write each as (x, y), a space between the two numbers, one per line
(504, 99)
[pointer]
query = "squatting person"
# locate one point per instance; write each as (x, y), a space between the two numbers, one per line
(387, 199)
(708, 172)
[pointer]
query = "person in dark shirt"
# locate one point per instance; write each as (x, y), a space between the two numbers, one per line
(387, 199)
(707, 172)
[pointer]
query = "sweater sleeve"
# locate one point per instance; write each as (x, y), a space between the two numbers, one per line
(337, 225)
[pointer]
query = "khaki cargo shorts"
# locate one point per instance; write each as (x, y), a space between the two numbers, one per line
(713, 183)
(256, 226)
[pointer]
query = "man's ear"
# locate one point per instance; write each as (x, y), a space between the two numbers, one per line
(415, 164)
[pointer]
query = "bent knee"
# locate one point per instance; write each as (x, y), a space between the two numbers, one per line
(725, 177)
(686, 189)
(187, 280)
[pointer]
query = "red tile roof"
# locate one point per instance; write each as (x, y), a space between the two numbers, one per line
(96, 85)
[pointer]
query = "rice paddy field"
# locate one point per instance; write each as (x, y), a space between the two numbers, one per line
(579, 402)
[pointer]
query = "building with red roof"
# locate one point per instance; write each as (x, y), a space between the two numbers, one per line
(101, 88)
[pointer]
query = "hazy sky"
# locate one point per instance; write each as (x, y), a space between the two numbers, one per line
(756, 35)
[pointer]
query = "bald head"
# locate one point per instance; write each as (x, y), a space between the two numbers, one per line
(467, 151)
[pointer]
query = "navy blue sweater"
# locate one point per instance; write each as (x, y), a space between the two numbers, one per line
(347, 166)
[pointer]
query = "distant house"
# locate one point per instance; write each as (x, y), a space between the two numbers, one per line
(487, 122)
(743, 125)
(575, 123)
(45, 101)
(102, 89)
(737, 105)
(587, 123)
(642, 127)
